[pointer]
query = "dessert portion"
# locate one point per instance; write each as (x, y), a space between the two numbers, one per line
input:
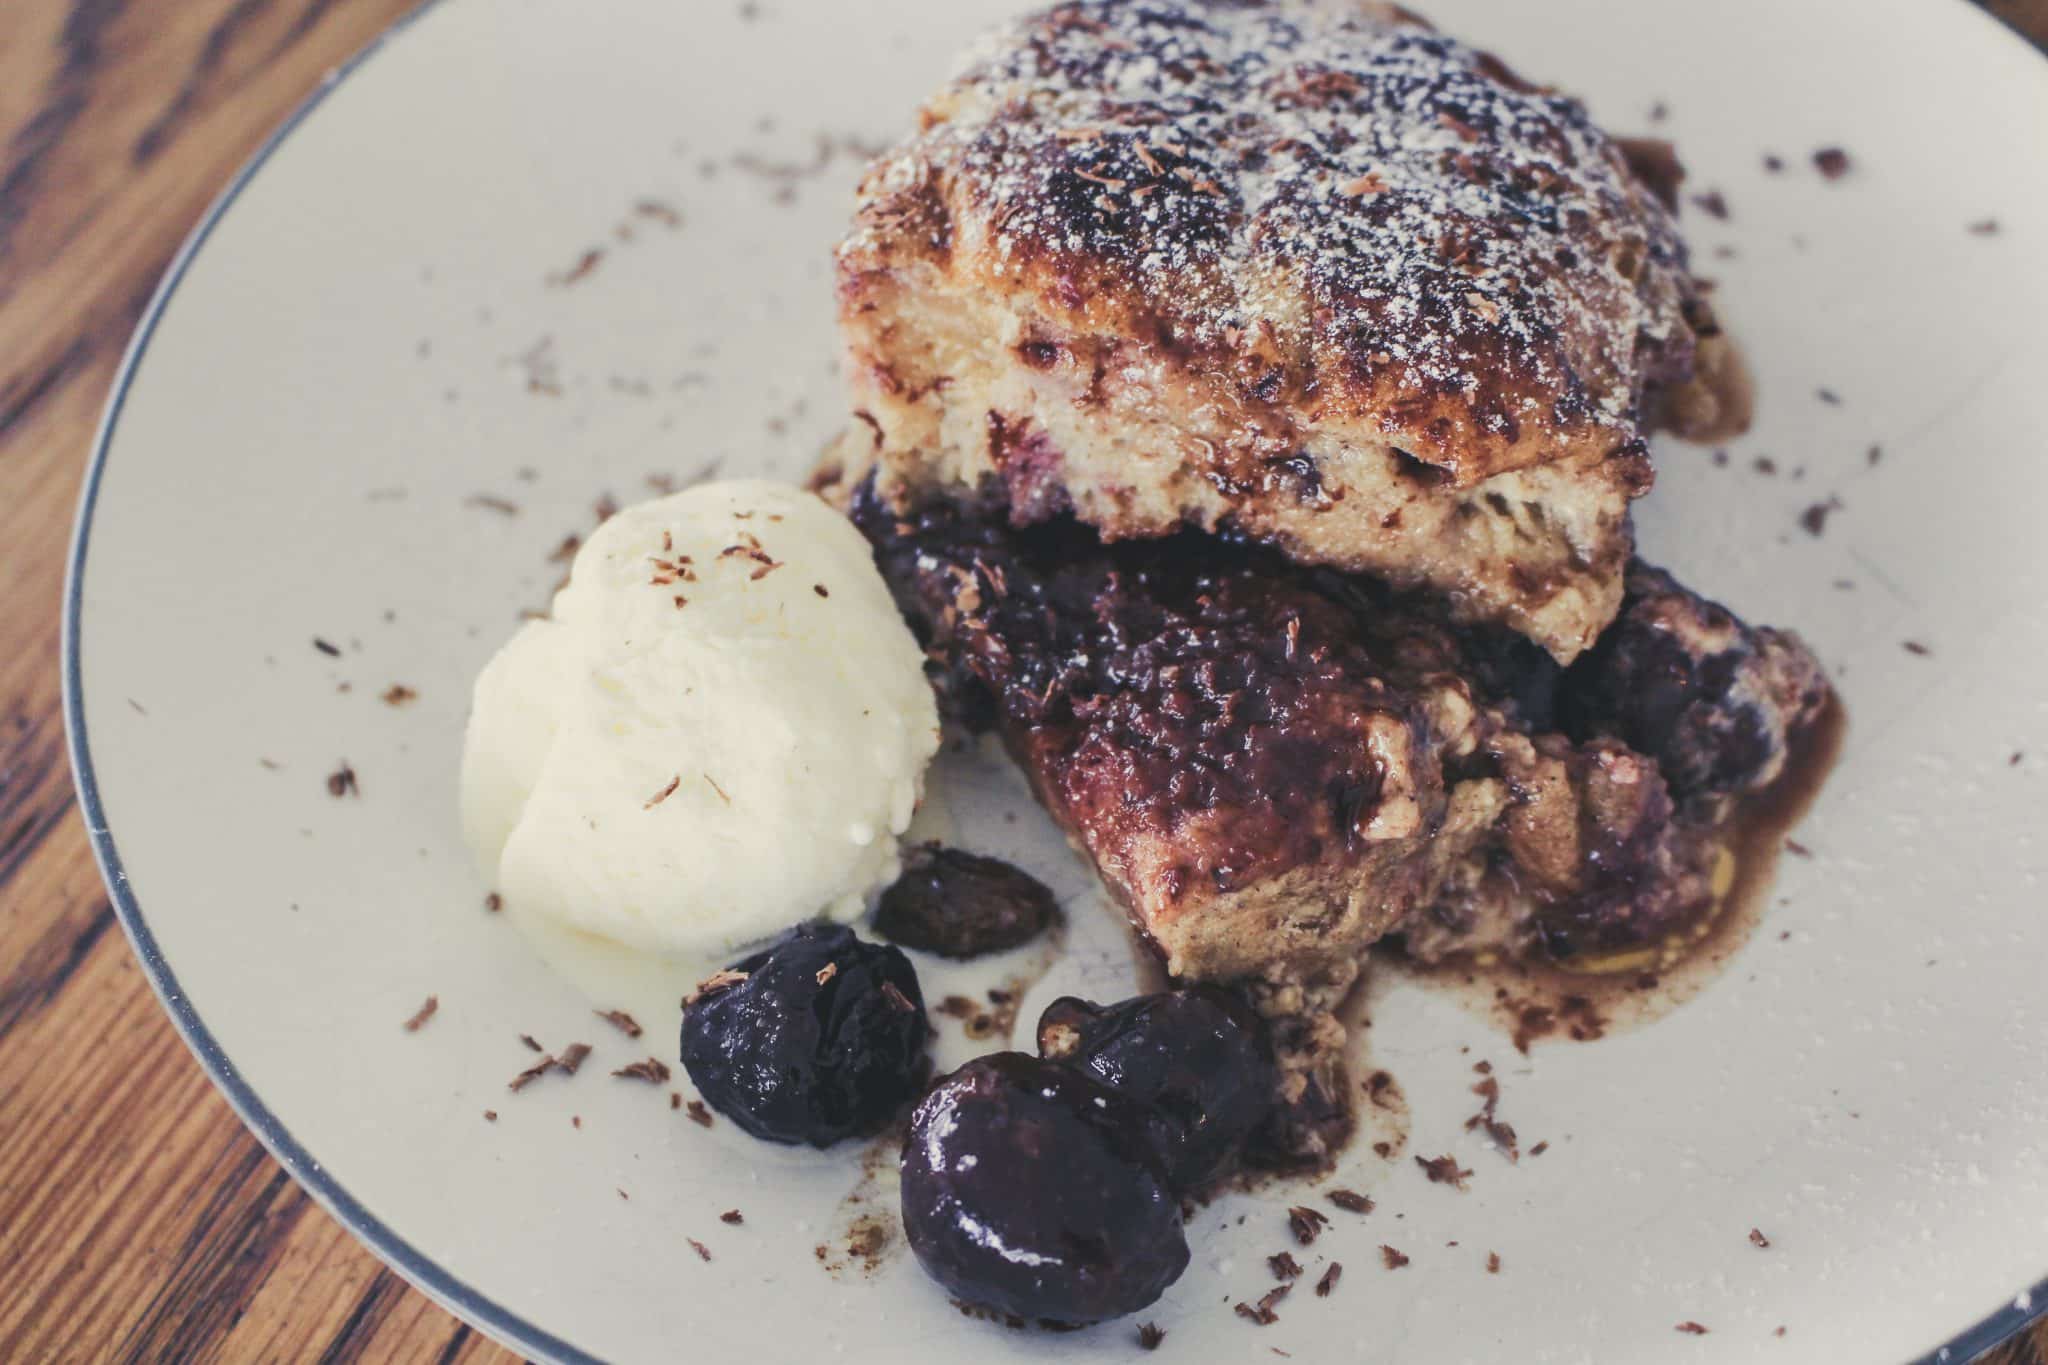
(721, 729)
(1272, 766)
(1305, 272)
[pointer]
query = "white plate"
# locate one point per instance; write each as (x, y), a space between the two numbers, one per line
(346, 355)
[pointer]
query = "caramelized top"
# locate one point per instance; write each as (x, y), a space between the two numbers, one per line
(1333, 206)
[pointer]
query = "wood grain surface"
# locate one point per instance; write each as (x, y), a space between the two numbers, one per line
(138, 1219)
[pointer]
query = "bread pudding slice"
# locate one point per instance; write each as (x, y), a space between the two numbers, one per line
(1272, 766)
(1307, 272)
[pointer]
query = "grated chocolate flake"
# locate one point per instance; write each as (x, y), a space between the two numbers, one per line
(723, 979)
(652, 1070)
(1691, 1329)
(504, 507)
(1351, 1201)
(731, 1217)
(398, 694)
(664, 794)
(423, 1013)
(532, 1043)
(1306, 1223)
(1284, 1266)
(572, 1057)
(703, 1252)
(1916, 648)
(620, 1020)
(1493, 1263)
(1329, 1280)
(331, 650)
(1833, 164)
(1757, 1238)
(582, 269)
(1815, 518)
(1444, 1170)
(699, 1115)
(1391, 1258)
(342, 782)
(1150, 1334)
(1262, 1313)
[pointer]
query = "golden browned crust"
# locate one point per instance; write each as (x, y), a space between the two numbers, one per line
(1306, 270)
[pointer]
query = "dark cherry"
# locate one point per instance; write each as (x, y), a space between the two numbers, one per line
(1031, 1188)
(1198, 1056)
(962, 905)
(818, 1038)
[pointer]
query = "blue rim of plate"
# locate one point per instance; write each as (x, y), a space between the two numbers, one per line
(415, 1267)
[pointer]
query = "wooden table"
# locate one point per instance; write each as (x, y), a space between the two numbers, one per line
(138, 1219)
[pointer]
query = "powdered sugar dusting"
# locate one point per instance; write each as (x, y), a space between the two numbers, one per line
(1341, 185)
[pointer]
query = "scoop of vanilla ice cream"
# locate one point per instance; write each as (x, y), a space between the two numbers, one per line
(720, 731)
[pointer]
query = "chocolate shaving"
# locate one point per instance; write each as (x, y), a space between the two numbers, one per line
(715, 787)
(1443, 1170)
(1691, 1329)
(1757, 1238)
(572, 1057)
(531, 1042)
(662, 213)
(699, 1115)
(490, 1116)
(585, 263)
(1797, 849)
(1329, 1280)
(1393, 1259)
(1540, 1148)
(422, 1014)
(1833, 164)
(1828, 396)
(723, 979)
(620, 1020)
(1284, 1266)
(1915, 647)
(653, 1070)
(332, 651)
(1306, 1223)
(1351, 1201)
(398, 694)
(1503, 1135)
(1713, 203)
(566, 551)
(896, 997)
(703, 1252)
(1150, 1335)
(663, 794)
(492, 504)
(827, 972)
(531, 1074)
(1493, 1263)
(342, 782)
(731, 1216)
(1263, 1314)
